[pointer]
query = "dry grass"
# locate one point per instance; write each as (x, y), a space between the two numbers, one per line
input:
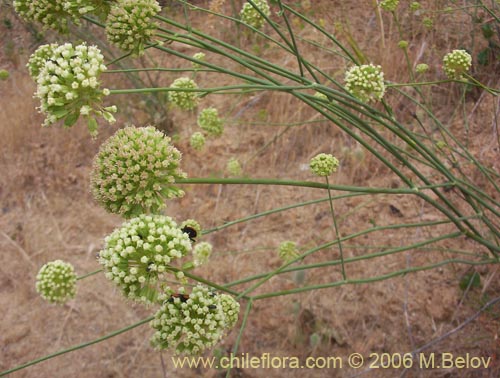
(48, 213)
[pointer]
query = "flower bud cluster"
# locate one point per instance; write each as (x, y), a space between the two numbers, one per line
(129, 24)
(456, 63)
(56, 282)
(201, 253)
(185, 100)
(190, 324)
(389, 5)
(366, 82)
(135, 170)
(68, 83)
(288, 251)
(324, 164)
(251, 16)
(138, 255)
(209, 121)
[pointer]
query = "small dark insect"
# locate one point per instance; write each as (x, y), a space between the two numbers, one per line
(182, 297)
(192, 233)
(148, 268)
(395, 211)
(212, 307)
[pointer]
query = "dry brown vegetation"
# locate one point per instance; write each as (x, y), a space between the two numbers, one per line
(47, 213)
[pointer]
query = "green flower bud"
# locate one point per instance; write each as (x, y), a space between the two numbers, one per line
(209, 121)
(428, 22)
(230, 308)
(288, 251)
(251, 16)
(198, 56)
(56, 282)
(197, 141)
(389, 5)
(184, 100)
(456, 63)
(134, 172)
(137, 256)
(4, 74)
(403, 44)
(421, 68)
(366, 82)
(321, 96)
(324, 164)
(234, 167)
(415, 6)
(130, 24)
(201, 253)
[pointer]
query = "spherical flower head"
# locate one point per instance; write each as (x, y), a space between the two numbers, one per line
(38, 59)
(189, 324)
(321, 96)
(178, 97)
(139, 255)
(68, 81)
(129, 24)
(234, 167)
(403, 44)
(197, 141)
(201, 253)
(56, 282)
(457, 63)
(199, 56)
(288, 251)
(135, 170)
(428, 23)
(421, 68)
(251, 16)
(4, 75)
(389, 5)
(324, 164)
(366, 82)
(415, 6)
(209, 121)
(230, 308)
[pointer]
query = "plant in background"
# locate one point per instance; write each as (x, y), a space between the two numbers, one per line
(389, 5)
(324, 164)
(4, 74)
(251, 16)
(56, 282)
(138, 256)
(201, 253)
(135, 171)
(457, 63)
(185, 100)
(288, 251)
(365, 82)
(421, 68)
(234, 167)
(210, 122)
(198, 56)
(197, 140)
(130, 24)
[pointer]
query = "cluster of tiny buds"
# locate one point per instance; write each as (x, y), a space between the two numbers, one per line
(197, 141)
(191, 323)
(56, 282)
(185, 100)
(201, 253)
(251, 16)
(198, 56)
(135, 170)
(4, 74)
(234, 167)
(457, 63)
(129, 24)
(52, 14)
(421, 68)
(138, 255)
(288, 251)
(415, 6)
(366, 82)
(324, 164)
(389, 5)
(210, 122)
(68, 83)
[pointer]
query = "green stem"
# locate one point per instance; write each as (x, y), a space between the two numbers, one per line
(336, 229)
(89, 274)
(76, 347)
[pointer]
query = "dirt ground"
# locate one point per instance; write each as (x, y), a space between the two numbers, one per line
(47, 213)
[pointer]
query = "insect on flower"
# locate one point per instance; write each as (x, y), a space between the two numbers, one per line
(182, 297)
(192, 233)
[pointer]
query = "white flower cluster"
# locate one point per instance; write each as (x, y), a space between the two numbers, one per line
(197, 140)
(201, 253)
(56, 282)
(324, 164)
(189, 324)
(129, 24)
(251, 16)
(366, 82)
(138, 256)
(456, 63)
(185, 100)
(68, 83)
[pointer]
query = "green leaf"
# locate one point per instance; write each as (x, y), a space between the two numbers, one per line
(71, 119)
(470, 280)
(483, 57)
